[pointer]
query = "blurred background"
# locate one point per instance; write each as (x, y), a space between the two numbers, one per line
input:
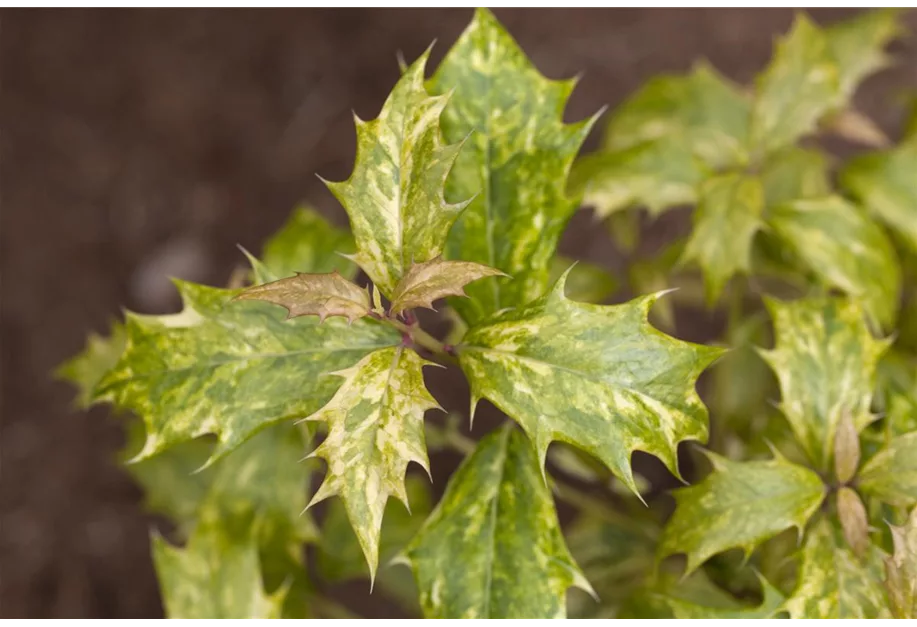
(139, 145)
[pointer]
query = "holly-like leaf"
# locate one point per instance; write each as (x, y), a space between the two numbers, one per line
(833, 582)
(375, 428)
(394, 196)
(217, 575)
(86, 369)
(844, 249)
(728, 215)
(435, 279)
(657, 175)
(741, 504)
(230, 369)
(825, 361)
(701, 111)
(795, 173)
(884, 183)
(901, 569)
(801, 84)
(321, 295)
(493, 547)
(597, 377)
(858, 44)
(891, 474)
(587, 282)
(516, 161)
(307, 242)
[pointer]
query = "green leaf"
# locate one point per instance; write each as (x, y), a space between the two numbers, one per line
(833, 583)
(690, 609)
(891, 474)
(308, 243)
(885, 183)
(216, 575)
(825, 360)
(597, 377)
(727, 217)
(86, 369)
(321, 295)
(435, 279)
(795, 173)
(515, 160)
(658, 175)
(493, 547)
(394, 196)
(741, 504)
(901, 569)
(230, 369)
(844, 249)
(587, 282)
(702, 111)
(800, 85)
(857, 45)
(375, 428)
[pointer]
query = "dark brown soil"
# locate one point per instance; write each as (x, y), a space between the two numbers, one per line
(142, 144)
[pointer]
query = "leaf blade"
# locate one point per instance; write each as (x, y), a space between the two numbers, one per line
(435, 279)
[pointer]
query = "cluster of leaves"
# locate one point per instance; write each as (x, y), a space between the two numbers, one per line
(461, 185)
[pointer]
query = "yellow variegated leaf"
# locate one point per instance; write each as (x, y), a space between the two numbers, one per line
(375, 428)
(394, 196)
(321, 295)
(435, 279)
(598, 377)
(833, 582)
(740, 505)
(901, 569)
(825, 361)
(493, 547)
(891, 474)
(515, 163)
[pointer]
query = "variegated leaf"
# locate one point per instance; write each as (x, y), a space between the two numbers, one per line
(702, 111)
(740, 505)
(516, 161)
(690, 609)
(891, 474)
(321, 295)
(857, 45)
(230, 368)
(825, 361)
(598, 377)
(375, 428)
(86, 369)
(795, 173)
(884, 183)
(216, 575)
(843, 248)
(435, 279)
(493, 547)
(801, 84)
(657, 175)
(307, 242)
(729, 213)
(833, 582)
(901, 569)
(394, 196)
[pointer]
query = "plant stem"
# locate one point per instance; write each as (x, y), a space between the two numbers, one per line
(423, 339)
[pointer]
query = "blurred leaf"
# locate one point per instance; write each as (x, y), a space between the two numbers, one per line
(702, 112)
(86, 369)
(795, 173)
(658, 175)
(886, 184)
(891, 475)
(728, 215)
(307, 242)
(901, 569)
(858, 44)
(587, 282)
(844, 249)
(800, 85)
